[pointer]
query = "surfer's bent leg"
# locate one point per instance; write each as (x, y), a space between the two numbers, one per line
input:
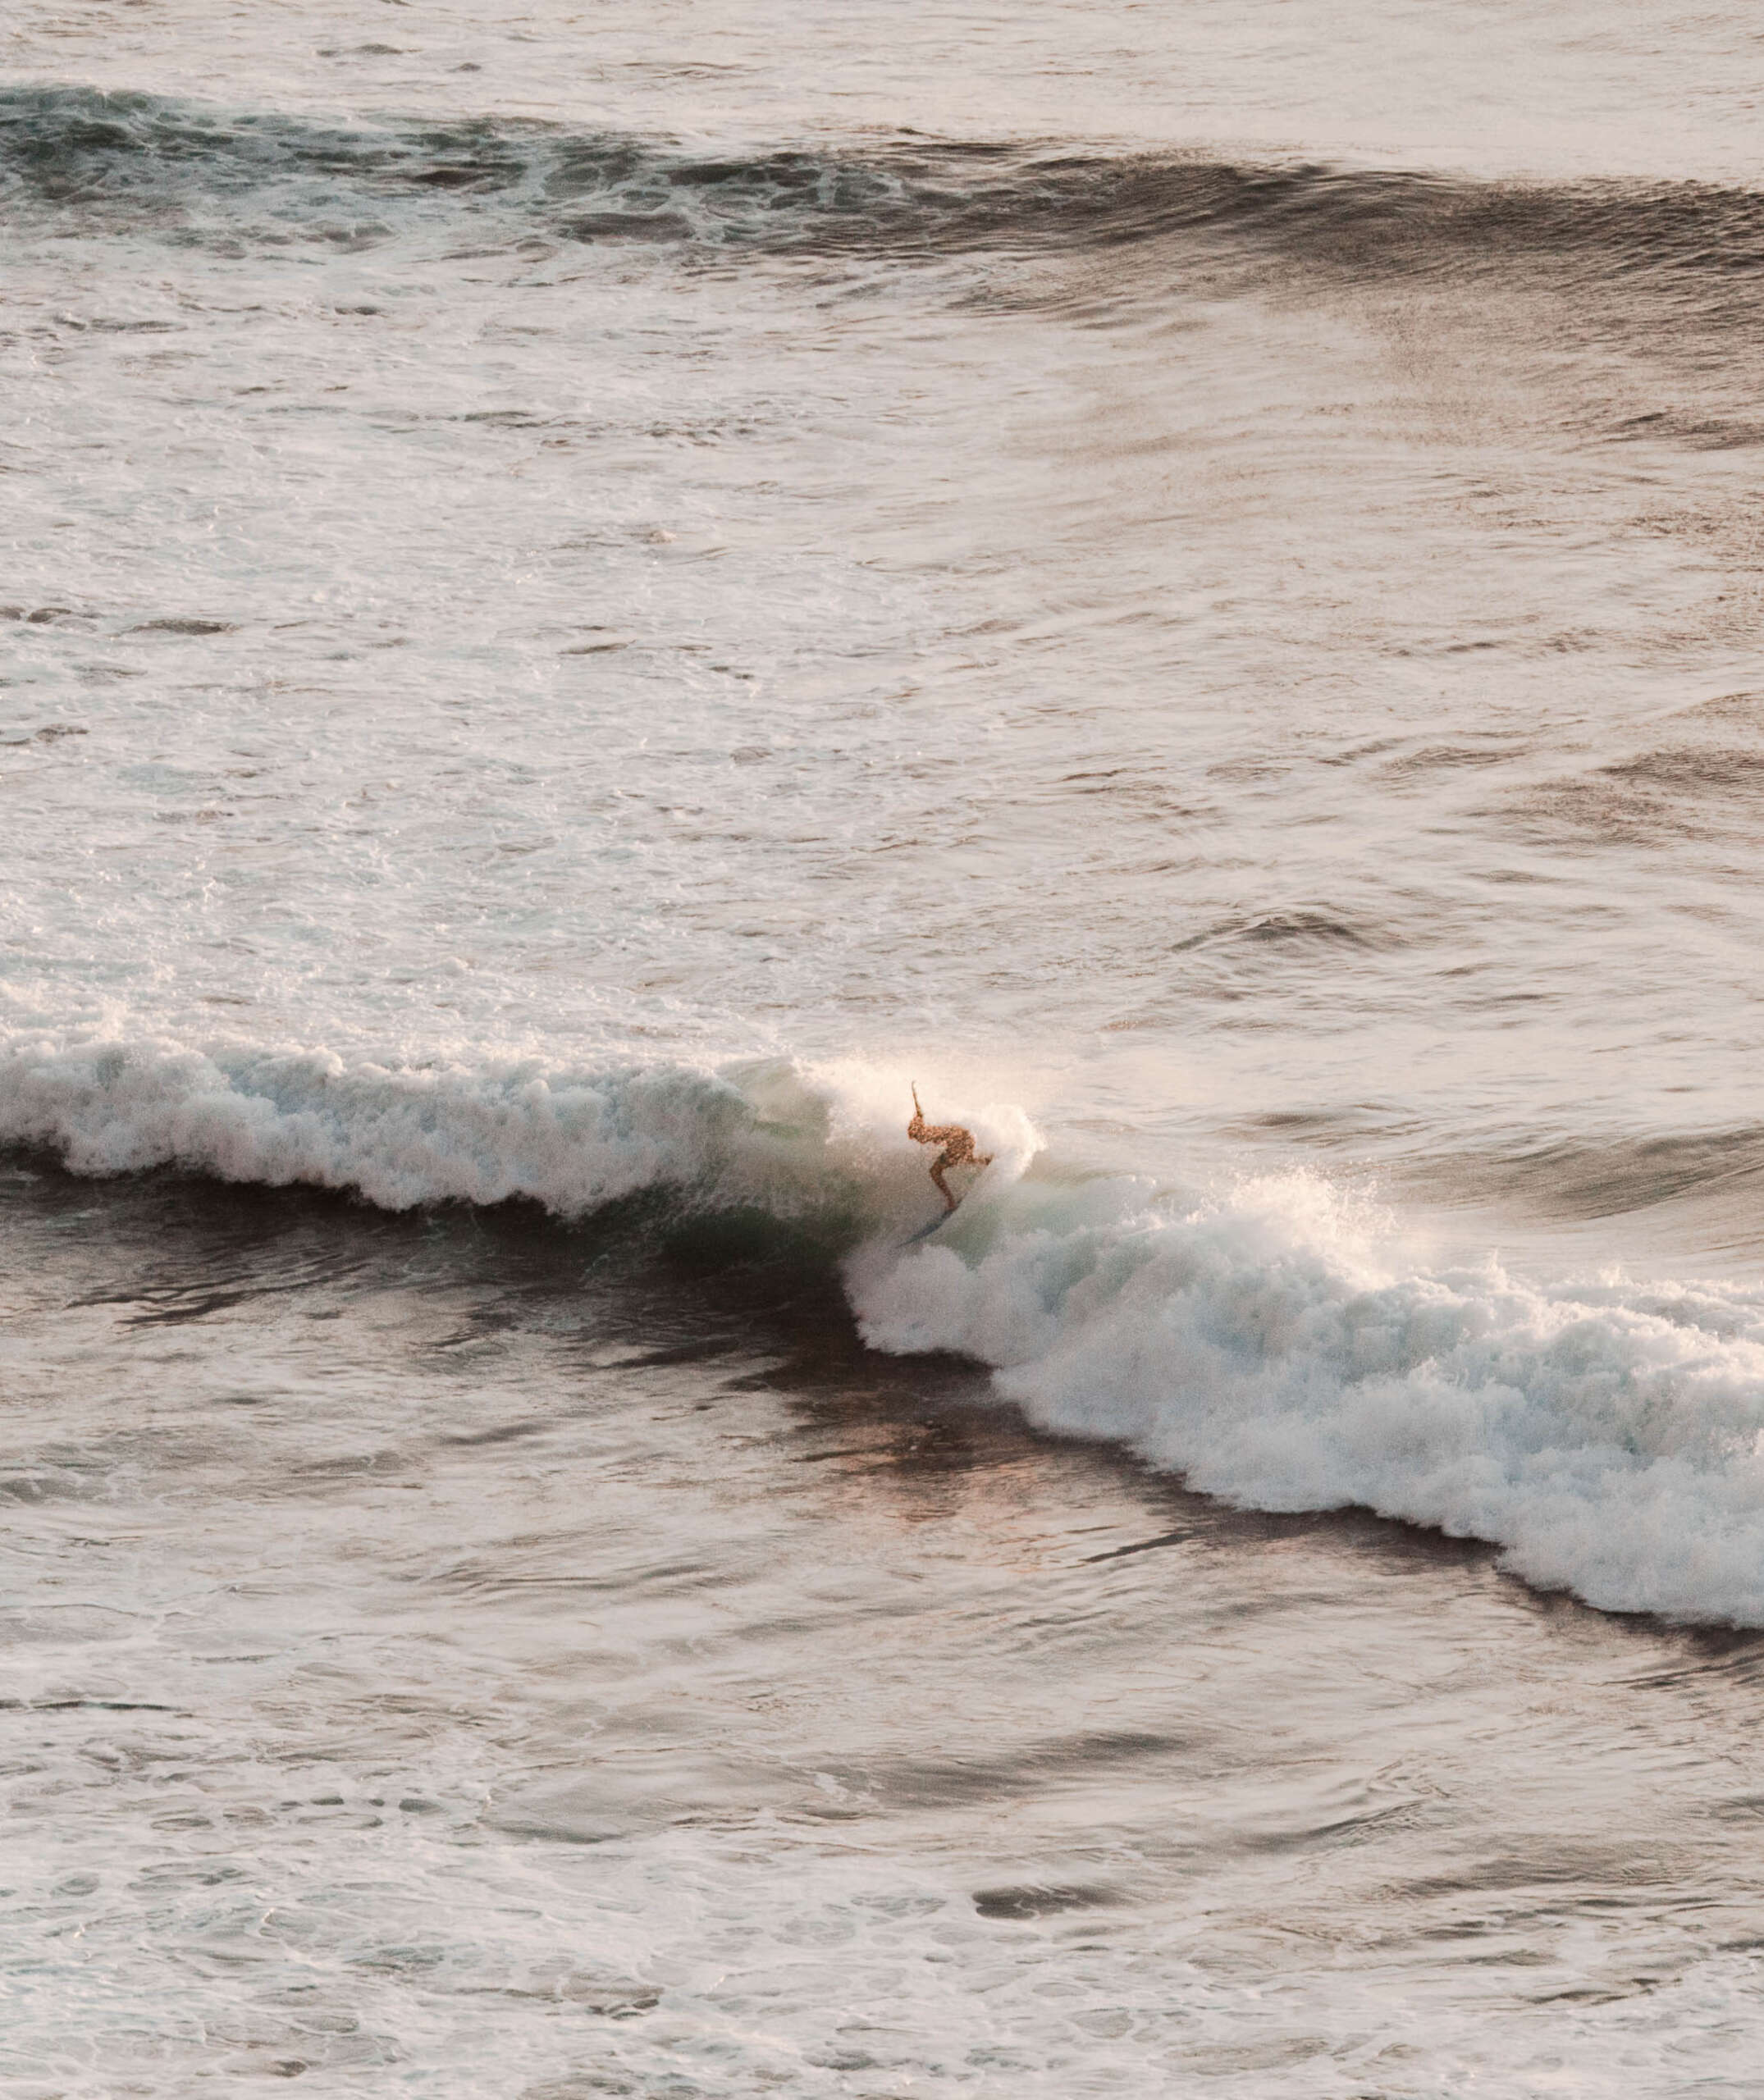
(938, 1165)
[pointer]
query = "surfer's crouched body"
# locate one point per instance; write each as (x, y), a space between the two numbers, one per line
(957, 1148)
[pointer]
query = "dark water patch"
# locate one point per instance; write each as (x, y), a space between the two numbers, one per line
(197, 1307)
(1625, 1863)
(1695, 768)
(611, 1997)
(511, 1432)
(627, 226)
(1140, 1545)
(483, 1323)
(1698, 432)
(1452, 758)
(705, 1349)
(1712, 1659)
(100, 325)
(1592, 813)
(203, 1270)
(1573, 1179)
(1308, 929)
(1361, 1125)
(525, 419)
(1654, 798)
(894, 1784)
(1746, 1809)
(1139, 793)
(1030, 1900)
(1296, 927)
(87, 1706)
(51, 732)
(51, 1477)
(473, 175)
(1747, 707)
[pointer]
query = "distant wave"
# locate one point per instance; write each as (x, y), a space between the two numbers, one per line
(189, 171)
(1277, 1344)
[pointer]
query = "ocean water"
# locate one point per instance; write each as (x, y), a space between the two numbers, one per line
(590, 596)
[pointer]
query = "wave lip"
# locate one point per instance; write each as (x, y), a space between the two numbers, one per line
(1279, 1350)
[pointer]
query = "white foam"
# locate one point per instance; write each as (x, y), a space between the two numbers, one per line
(571, 1139)
(1282, 1349)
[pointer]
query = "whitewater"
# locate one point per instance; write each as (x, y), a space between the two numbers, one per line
(1275, 1343)
(587, 604)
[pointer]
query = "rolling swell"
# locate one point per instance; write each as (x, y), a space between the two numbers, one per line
(112, 161)
(1275, 1343)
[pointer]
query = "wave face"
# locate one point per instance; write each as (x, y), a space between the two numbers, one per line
(1279, 1344)
(190, 174)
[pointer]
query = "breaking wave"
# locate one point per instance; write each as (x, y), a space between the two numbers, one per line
(1280, 1348)
(1278, 1343)
(571, 1140)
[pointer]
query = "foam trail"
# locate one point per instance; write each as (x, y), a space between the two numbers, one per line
(1278, 1350)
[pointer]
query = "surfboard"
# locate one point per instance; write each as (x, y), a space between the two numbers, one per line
(925, 1231)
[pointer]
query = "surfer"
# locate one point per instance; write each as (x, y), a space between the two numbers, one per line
(957, 1148)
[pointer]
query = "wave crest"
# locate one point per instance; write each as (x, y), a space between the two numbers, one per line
(570, 1140)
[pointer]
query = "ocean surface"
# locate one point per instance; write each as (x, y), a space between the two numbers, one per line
(589, 596)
